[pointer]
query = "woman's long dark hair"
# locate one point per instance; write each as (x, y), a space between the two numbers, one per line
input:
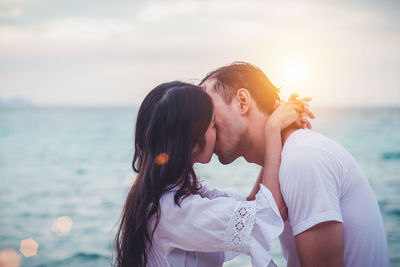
(173, 117)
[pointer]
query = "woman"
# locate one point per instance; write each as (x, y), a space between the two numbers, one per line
(169, 218)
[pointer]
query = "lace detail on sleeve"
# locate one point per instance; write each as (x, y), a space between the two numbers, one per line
(237, 233)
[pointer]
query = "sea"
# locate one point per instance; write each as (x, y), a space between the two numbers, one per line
(75, 163)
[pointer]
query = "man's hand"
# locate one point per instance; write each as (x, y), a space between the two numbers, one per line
(321, 245)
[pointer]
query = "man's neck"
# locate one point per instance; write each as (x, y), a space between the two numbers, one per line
(256, 153)
(256, 141)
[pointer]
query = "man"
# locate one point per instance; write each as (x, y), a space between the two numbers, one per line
(333, 215)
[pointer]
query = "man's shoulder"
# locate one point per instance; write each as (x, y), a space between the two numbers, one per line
(305, 143)
(306, 137)
(311, 155)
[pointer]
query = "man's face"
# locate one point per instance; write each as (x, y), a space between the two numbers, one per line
(230, 142)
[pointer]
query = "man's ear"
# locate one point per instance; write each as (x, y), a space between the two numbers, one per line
(243, 97)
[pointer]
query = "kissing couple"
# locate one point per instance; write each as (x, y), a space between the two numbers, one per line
(310, 193)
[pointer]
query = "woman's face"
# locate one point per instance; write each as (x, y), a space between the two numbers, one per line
(203, 155)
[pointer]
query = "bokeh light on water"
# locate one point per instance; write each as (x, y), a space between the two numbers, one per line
(28, 247)
(9, 258)
(130, 180)
(62, 225)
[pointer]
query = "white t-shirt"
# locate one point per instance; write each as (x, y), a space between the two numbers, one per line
(208, 227)
(321, 181)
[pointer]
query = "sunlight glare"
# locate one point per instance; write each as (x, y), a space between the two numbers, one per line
(294, 73)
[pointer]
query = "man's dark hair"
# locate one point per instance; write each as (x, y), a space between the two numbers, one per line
(230, 78)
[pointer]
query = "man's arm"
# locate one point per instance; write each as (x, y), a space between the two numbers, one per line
(311, 187)
(321, 245)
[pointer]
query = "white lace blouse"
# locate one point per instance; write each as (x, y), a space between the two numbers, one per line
(210, 226)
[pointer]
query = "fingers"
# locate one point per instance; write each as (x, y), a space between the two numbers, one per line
(302, 119)
(285, 114)
(309, 113)
(307, 110)
(305, 122)
(304, 99)
(308, 124)
(299, 109)
(293, 97)
(302, 122)
(303, 103)
(293, 112)
(276, 105)
(299, 123)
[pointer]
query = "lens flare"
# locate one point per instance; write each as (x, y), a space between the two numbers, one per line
(161, 159)
(130, 180)
(9, 258)
(62, 225)
(28, 247)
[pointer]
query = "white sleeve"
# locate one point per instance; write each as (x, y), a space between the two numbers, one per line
(211, 193)
(310, 182)
(220, 224)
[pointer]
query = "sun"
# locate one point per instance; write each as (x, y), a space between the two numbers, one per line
(294, 72)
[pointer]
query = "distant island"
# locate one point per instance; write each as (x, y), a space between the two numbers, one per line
(15, 103)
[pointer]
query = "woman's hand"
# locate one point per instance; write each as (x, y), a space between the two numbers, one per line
(286, 113)
(303, 102)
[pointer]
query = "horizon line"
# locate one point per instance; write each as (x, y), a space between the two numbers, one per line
(127, 106)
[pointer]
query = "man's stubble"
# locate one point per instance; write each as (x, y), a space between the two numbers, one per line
(238, 146)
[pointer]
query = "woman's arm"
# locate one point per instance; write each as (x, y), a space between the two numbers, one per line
(283, 116)
(221, 224)
(256, 186)
(272, 162)
(211, 193)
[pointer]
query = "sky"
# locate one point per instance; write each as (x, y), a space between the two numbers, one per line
(112, 53)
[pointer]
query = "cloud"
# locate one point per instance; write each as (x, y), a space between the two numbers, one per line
(166, 10)
(11, 13)
(68, 35)
(14, 9)
(161, 41)
(12, 3)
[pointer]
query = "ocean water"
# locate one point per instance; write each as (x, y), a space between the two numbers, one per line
(76, 163)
